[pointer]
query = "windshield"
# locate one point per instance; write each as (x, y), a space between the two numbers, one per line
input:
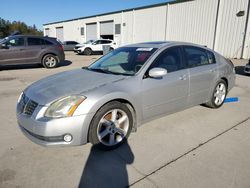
(125, 61)
(89, 42)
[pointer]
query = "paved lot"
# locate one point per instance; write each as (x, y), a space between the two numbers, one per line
(198, 147)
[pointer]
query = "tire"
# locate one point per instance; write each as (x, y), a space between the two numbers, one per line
(88, 51)
(219, 95)
(50, 61)
(111, 49)
(107, 134)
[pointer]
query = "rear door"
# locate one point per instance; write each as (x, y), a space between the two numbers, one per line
(14, 53)
(35, 46)
(169, 93)
(203, 70)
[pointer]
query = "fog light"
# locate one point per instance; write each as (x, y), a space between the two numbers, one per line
(67, 138)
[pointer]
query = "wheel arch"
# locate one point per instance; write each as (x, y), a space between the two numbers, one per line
(225, 79)
(121, 100)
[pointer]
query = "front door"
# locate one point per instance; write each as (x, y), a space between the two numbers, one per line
(169, 93)
(13, 52)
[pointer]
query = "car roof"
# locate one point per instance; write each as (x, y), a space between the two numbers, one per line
(162, 44)
(35, 36)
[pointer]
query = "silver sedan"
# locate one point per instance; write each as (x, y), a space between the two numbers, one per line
(105, 102)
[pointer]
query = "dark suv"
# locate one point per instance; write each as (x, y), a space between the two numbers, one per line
(24, 49)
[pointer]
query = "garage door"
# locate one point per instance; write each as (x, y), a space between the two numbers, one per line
(59, 33)
(106, 28)
(91, 31)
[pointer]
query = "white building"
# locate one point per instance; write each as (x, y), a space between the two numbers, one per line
(222, 25)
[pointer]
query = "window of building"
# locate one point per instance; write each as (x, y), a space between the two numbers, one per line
(82, 30)
(117, 29)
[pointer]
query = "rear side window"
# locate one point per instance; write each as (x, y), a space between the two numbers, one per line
(38, 41)
(46, 42)
(211, 57)
(196, 56)
(106, 42)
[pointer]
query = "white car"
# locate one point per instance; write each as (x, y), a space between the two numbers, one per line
(96, 46)
(81, 45)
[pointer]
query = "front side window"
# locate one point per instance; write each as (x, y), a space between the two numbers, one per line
(170, 60)
(125, 61)
(15, 42)
(195, 56)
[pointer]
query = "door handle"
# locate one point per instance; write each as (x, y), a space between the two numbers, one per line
(183, 77)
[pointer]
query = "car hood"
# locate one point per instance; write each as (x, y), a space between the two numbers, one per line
(68, 83)
(79, 45)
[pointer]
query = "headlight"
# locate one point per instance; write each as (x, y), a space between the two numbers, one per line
(64, 107)
(20, 97)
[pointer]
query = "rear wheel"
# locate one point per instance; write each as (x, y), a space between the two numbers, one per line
(111, 126)
(88, 51)
(219, 95)
(50, 61)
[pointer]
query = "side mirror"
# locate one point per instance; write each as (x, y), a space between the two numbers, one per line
(157, 72)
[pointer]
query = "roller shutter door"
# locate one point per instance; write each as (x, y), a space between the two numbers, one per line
(106, 28)
(91, 31)
(59, 33)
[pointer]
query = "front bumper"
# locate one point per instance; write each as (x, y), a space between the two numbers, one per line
(50, 132)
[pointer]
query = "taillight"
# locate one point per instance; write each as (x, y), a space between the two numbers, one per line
(60, 47)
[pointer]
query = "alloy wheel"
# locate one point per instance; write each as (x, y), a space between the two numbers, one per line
(113, 127)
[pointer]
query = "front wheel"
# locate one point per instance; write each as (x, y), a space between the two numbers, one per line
(111, 126)
(88, 51)
(219, 95)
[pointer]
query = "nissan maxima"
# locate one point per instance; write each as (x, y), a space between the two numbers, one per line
(106, 101)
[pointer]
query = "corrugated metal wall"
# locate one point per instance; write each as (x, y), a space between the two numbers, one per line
(149, 24)
(192, 21)
(230, 28)
(246, 54)
(206, 22)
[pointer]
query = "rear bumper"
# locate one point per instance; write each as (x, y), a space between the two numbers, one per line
(61, 57)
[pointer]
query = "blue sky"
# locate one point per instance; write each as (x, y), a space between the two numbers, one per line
(45, 11)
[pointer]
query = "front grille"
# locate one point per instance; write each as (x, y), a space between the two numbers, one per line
(26, 105)
(30, 107)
